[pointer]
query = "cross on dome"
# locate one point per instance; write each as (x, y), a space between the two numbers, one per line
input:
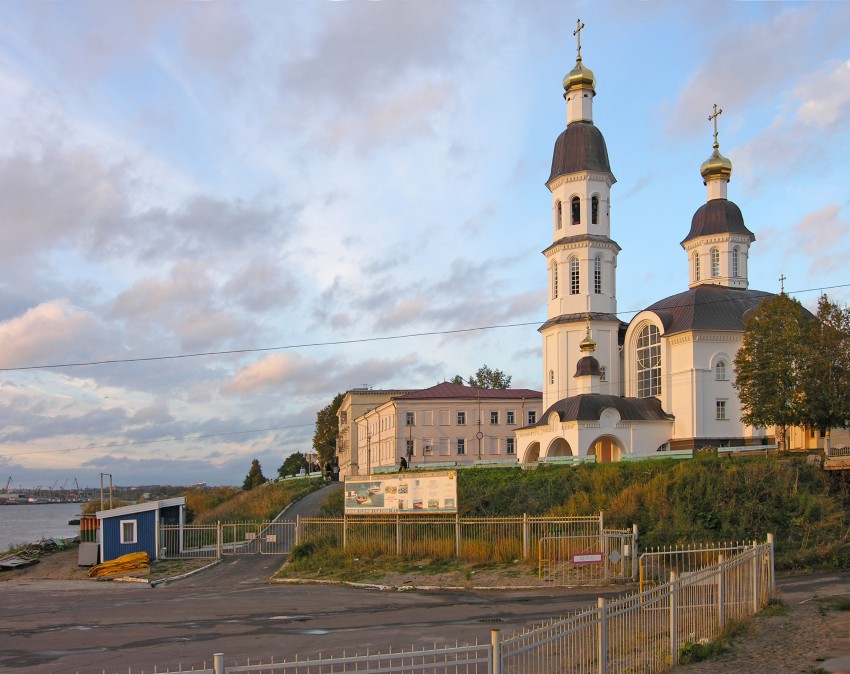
(717, 113)
(577, 35)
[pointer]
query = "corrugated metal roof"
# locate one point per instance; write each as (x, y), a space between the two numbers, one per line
(707, 307)
(580, 147)
(449, 390)
(581, 318)
(581, 238)
(589, 407)
(718, 216)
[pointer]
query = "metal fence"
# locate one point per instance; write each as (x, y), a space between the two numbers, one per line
(188, 541)
(598, 558)
(656, 564)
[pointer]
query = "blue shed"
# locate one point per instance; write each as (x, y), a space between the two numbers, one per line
(135, 528)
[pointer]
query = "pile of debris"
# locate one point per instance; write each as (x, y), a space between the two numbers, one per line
(32, 552)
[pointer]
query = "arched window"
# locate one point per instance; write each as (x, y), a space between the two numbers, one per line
(648, 362)
(720, 370)
(696, 266)
(597, 275)
(555, 280)
(575, 284)
(551, 376)
(576, 210)
(736, 270)
(715, 263)
(559, 215)
(594, 210)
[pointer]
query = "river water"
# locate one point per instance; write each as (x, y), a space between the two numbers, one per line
(30, 523)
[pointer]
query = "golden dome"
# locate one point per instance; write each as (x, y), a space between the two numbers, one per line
(587, 345)
(580, 77)
(716, 166)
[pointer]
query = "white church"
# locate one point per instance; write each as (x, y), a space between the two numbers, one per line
(664, 380)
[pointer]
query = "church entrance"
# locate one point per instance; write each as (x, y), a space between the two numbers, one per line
(559, 447)
(605, 450)
(532, 453)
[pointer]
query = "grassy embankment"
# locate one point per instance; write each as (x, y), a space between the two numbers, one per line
(708, 499)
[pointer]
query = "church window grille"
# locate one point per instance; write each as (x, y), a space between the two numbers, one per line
(696, 266)
(551, 377)
(597, 275)
(720, 370)
(715, 263)
(555, 281)
(649, 362)
(736, 270)
(594, 210)
(603, 373)
(575, 277)
(721, 410)
(559, 215)
(576, 211)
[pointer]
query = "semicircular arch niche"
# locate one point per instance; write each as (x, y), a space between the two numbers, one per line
(559, 447)
(606, 449)
(532, 453)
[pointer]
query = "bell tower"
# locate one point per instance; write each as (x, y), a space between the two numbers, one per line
(582, 259)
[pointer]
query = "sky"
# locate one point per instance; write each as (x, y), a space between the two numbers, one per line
(342, 194)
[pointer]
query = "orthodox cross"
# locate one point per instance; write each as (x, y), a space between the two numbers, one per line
(782, 283)
(717, 113)
(577, 34)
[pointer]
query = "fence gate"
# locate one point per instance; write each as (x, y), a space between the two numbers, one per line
(277, 538)
(586, 559)
(252, 538)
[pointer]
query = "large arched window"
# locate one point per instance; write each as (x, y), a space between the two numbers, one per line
(594, 210)
(648, 362)
(597, 275)
(575, 209)
(575, 277)
(559, 215)
(554, 280)
(715, 263)
(696, 266)
(720, 370)
(736, 269)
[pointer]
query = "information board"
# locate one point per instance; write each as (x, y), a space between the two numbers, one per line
(434, 492)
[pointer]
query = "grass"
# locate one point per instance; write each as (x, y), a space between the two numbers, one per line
(263, 503)
(705, 649)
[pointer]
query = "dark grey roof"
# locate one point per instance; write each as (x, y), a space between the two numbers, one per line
(707, 307)
(718, 216)
(580, 318)
(580, 147)
(587, 365)
(589, 407)
(449, 390)
(580, 238)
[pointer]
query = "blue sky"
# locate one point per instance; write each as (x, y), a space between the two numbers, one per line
(178, 178)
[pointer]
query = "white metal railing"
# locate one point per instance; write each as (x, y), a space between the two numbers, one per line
(188, 541)
(838, 451)
(656, 564)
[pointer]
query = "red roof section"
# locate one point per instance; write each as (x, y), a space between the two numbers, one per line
(450, 390)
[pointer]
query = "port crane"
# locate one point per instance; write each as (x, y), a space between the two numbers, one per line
(8, 482)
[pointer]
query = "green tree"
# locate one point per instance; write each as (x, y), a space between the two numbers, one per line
(825, 369)
(486, 378)
(327, 429)
(768, 365)
(255, 476)
(292, 464)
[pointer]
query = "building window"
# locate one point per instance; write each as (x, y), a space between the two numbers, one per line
(555, 280)
(736, 270)
(721, 410)
(510, 446)
(343, 417)
(551, 377)
(720, 371)
(597, 275)
(575, 284)
(594, 210)
(409, 419)
(602, 373)
(532, 417)
(494, 417)
(648, 362)
(559, 215)
(461, 418)
(128, 531)
(715, 263)
(510, 417)
(696, 266)
(410, 447)
(576, 210)
(461, 446)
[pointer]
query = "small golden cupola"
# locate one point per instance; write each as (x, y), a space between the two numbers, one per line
(716, 167)
(587, 365)
(579, 86)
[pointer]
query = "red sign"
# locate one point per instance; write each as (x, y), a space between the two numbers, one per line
(588, 558)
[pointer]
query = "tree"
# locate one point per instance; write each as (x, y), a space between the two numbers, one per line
(255, 476)
(327, 429)
(486, 378)
(825, 369)
(292, 464)
(768, 365)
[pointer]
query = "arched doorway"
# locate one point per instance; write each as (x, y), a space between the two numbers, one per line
(532, 453)
(559, 447)
(606, 449)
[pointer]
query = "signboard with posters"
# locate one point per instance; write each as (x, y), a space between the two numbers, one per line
(404, 493)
